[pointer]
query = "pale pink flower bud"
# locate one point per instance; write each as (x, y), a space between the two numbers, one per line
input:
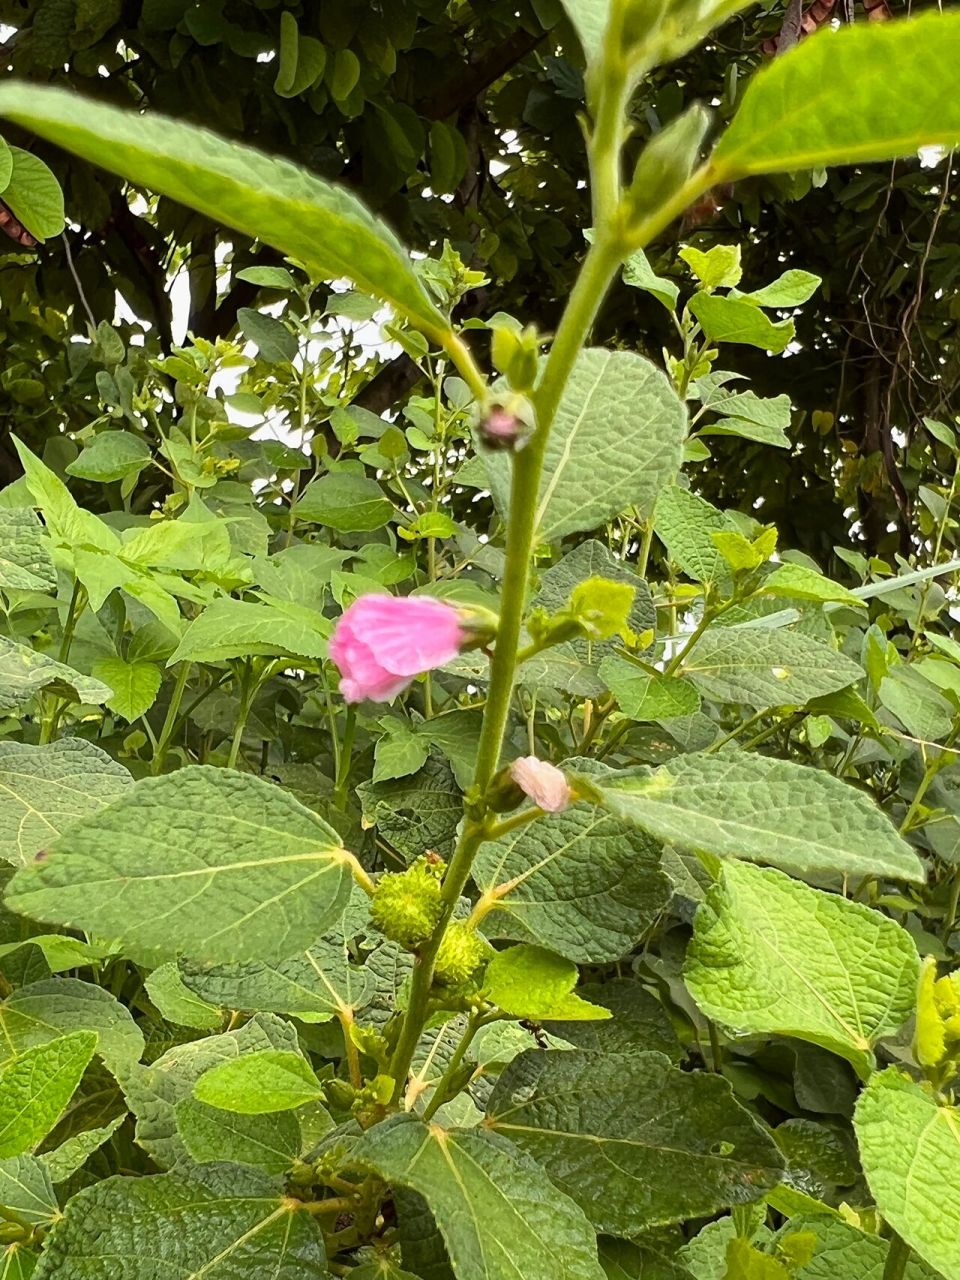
(501, 429)
(544, 783)
(381, 642)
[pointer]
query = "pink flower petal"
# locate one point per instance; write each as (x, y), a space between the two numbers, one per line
(381, 642)
(409, 634)
(544, 783)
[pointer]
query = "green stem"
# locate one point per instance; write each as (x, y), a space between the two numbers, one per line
(248, 687)
(55, 707)
(644, 557)
(78, 601)
(169, 724)
(898, 1256)
(605, 255)
(345, 1018)
(346, 753)
(441, 1092)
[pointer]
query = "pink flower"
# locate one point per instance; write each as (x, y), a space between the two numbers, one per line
(543, 782)
(382, 642)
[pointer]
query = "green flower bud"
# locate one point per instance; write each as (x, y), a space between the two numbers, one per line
(407, 906)
(667, 162)
(461, 952)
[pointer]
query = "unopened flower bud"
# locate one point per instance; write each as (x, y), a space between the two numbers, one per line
(501, 429)
(544, 783)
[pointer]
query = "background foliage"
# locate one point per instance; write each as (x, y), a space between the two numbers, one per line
(190, 971)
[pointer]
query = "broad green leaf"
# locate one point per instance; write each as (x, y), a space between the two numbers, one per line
(615, 442)
(224, 1223)
(499, 1215)
(45, 789)
(24, 672)
(322, 226)
(843, 1252)
(64, 1161)
(531, 982)
(740, 805)
(41, 1011)
(767, 668)
(771, 412)
(733, 320)
(316, 985)
(632, 1139)
(770, 955)
(26, 1191)
(36, 1087)
(18, 1262)
(153, 1092)
(716, 268)
(910, 1151)
(399, 752)
(638, 273)
(917, 704)
(579, 883)
(187, 544)
(684, 523)
(6, 164)
(639, 1022)
(214, 864)
(589, 18)
(176, 1003)
(818, 105)
(792, 289)
(33, 195)
(25, 563)
(622, 1260)
(797, 582)
(59, 950)
(111, 455)
(276, 343)
(745, 430)
(267, 1142)
(644, 695)
(240, 628)
(258, 1083)
(135, 685)
(67, 524)
(345, 501)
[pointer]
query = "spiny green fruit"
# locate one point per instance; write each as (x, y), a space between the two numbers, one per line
(407, 905)
(461, 951)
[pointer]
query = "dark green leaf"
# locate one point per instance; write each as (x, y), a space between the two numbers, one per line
(635, 1141)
